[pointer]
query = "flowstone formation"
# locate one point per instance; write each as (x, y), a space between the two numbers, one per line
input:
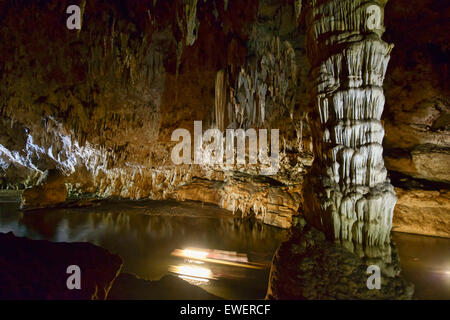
(352, 200)
(307, 266)
(265, 85)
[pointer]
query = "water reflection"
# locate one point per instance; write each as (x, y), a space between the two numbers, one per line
(145, 234)
(193, 272)
(425, 261)
(224, 264)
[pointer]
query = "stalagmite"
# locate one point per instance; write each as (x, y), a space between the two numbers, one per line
(352, 199)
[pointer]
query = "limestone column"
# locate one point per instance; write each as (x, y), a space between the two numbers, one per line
(348, 194)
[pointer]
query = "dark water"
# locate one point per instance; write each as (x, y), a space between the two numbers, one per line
(425, 261)
(145, 233)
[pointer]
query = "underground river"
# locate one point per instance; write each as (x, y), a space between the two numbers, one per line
(147, 233)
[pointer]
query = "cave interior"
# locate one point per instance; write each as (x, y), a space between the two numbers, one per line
(223, 149)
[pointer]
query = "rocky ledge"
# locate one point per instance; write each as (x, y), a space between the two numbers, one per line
(423, 206)
(49, 191)
(130, 287)
(307, 266)
(37, 269)
(424, 212)
(269, 201)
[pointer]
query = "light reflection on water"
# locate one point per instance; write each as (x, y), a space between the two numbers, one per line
(425, 261)
(145, 234)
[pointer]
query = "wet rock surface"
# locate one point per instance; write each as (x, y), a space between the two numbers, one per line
(49, 191)
(37, 269)
(307, 266)
(130, 287)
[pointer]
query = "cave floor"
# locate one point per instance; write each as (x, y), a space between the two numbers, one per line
(146, 233)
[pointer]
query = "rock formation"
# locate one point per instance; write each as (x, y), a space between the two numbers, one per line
(423, 207)
(273, 204)
(417, 141)
(47, 278)
(100, 105)
(349, 197)
(352, 200)
(308, 266)
(90, 114)
(169, 287)
(50, 190)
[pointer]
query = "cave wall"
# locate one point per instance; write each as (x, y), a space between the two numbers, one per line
(416, 116)
(100, 104)
(417, 90)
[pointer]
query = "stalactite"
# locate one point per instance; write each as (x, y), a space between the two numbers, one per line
(298, 8)
(191, 21)
(265, 84)
(220, 100)
(352, 199)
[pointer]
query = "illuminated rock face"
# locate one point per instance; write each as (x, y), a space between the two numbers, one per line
(265, 86)
(49, 191)
(352, 199)
(104, 116)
